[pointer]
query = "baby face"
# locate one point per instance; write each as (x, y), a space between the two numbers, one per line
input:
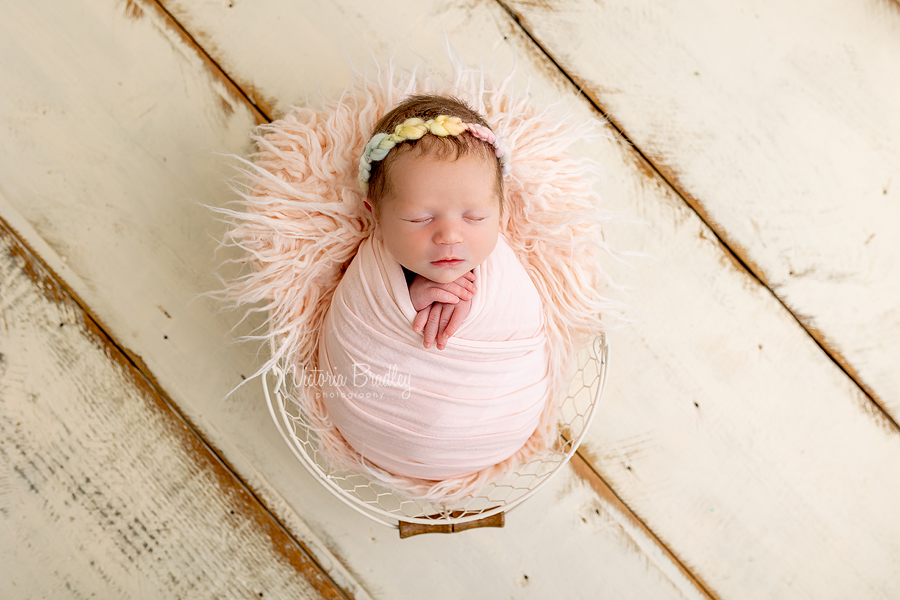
(440, 218)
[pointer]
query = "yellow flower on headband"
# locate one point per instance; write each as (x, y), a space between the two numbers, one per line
(444, 125)
(411, 129)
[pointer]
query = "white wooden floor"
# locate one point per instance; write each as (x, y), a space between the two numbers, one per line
(747, 446)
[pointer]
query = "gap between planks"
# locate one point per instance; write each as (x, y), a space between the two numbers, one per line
(133, 10)
(737, 254)
(582, 465)
(587, 471)
(61, 288)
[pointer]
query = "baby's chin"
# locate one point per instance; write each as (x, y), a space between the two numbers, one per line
(443, 275)
(447, 277)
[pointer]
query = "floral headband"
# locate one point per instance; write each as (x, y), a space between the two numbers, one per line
(414, 128)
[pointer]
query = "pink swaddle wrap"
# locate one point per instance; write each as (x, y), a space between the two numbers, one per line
(425, 413)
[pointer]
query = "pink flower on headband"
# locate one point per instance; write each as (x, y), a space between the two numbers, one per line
(482, 133)
(501, 146)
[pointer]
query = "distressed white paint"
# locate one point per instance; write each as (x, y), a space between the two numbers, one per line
(733, 435)
(108, 122)
(780, 119)
(777, 483)
(100, 493)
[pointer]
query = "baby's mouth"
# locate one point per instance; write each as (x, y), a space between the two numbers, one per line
(447, 262)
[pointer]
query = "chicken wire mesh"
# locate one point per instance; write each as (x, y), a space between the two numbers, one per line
(388, 507)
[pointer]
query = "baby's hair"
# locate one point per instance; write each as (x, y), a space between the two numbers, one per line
(451, 147)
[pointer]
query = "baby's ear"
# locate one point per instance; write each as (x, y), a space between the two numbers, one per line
(377, 231)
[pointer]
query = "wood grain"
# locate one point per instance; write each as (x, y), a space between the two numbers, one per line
(747, 454)
(109, 126)
(740, 443)
(105, 491)
(777, 122)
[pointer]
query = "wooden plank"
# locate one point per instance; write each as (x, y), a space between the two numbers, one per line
(737, 440)
(116, 215)
(778, 123)
(104, 490)
(748, 454)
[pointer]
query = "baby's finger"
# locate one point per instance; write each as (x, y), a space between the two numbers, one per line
(437, 294)
(431, 327)
(421, 319)
(467, 281)
(460, 291)
(446, 315)
(452, 325)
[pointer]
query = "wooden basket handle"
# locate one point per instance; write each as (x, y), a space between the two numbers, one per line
(411, 529)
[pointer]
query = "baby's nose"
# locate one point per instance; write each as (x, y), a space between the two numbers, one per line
(448, 235)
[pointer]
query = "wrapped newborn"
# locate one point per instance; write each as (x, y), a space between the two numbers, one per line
(424, 413)
(406, 407)
(421, 348)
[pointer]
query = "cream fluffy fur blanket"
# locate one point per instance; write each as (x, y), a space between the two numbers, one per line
(302, 219)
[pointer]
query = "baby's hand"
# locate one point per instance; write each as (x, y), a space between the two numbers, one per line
(440, 321)
(441, 307)
(423, 292)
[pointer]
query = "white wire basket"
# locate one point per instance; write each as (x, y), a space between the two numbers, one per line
(485, 508)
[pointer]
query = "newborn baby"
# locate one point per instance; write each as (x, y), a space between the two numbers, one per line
(433, 354)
